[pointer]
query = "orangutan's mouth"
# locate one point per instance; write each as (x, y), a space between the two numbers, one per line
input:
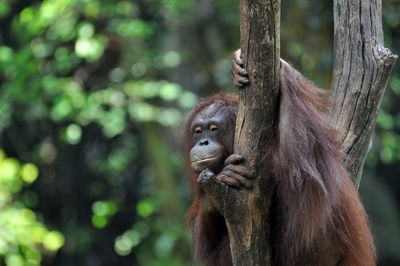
(206, 159)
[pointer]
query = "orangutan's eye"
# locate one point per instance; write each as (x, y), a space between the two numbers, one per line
(198, 130)
(213, 128)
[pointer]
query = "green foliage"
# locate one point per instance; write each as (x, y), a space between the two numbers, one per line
(86, 76)
(22, 236)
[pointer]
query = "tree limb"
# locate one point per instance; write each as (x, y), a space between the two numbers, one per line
(248, 215)
(361, 72)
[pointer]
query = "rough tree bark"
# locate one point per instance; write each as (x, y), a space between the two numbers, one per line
(361, 72)
(246, 212)
(360, 75)
(258, 105)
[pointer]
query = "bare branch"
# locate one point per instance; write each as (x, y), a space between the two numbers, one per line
(360, 75)
(247, 222)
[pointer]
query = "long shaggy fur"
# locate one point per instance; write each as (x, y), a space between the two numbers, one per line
(317, 210)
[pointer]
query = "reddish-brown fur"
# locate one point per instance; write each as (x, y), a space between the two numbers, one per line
(316, 208)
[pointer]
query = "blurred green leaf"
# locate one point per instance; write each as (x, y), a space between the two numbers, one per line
(145, 208)
(53, 240)
(29, 173)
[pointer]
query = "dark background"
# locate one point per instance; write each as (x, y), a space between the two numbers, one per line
(93, 95)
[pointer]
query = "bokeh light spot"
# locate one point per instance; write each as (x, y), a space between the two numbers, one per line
(29, 172)
(53, 240)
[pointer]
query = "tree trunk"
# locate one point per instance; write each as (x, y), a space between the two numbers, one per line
(360, 75)
(258, 105)
(246, 212)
